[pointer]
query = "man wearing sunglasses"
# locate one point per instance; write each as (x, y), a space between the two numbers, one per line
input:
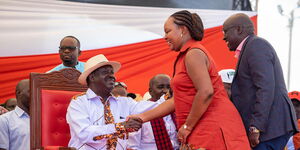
(258, 89)
(69, 50)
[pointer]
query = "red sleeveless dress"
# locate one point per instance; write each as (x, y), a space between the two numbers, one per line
(220, 127)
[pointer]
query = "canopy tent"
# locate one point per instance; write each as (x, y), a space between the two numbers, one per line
(31, 31)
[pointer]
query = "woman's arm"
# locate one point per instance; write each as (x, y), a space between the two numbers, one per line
(161, 110)
(197, 64)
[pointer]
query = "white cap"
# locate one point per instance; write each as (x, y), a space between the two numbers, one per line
(227, 75)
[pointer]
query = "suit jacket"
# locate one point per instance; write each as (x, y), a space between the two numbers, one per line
(259, 92)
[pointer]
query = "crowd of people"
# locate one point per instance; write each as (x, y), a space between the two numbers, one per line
(198, 108)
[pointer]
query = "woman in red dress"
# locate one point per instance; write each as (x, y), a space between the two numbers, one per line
(205, 116)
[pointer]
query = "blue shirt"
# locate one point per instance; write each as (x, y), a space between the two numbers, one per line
(14, 130)
(79, 67)
(85, 116)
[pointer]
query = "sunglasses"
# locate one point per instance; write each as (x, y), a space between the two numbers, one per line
(72, 48)
(121, 84)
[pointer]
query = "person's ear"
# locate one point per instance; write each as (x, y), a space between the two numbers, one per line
(183, 29)
(150, 90)
(91, 77)
(239, 29)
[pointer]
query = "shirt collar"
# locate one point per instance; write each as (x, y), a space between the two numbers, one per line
(76, 66)
(187, 45)
(20, 112)
(239, 48)
(91, 95)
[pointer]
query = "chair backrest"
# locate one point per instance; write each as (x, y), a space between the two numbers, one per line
(50, 95)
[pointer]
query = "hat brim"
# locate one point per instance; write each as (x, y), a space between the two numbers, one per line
(82, 78)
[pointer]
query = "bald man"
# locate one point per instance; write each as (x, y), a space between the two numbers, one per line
(14, 125)
(258, 89)
(158, 134)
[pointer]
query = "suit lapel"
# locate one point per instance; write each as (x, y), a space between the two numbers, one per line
(241, 56)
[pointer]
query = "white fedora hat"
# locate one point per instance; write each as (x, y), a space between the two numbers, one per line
(94, 63)
(227, 75)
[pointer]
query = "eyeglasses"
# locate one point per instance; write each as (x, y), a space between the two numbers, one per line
(72, 48)
(226, 30)
(121, 84)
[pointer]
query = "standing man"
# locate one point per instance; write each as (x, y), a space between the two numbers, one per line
(157, 134)
(258, 89)
(69, 50)
(14, 125)
(96, 118)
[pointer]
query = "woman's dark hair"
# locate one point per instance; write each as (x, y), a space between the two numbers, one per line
(192, 21)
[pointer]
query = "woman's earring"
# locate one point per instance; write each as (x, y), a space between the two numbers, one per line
(181, 35)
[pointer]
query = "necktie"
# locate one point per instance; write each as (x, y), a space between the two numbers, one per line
(111, 143)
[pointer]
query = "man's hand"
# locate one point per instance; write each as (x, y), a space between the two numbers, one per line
(254, 137)
(3, 110)
(133, 124)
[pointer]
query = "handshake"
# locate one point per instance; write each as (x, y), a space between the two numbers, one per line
(133, 124)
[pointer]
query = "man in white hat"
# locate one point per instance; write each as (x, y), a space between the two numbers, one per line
(227, 77)
(96, 118)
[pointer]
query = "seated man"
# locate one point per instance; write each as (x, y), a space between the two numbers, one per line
(14, 125)
(96, 118)
(69, 50)
(227, 77)
(160, 133)
(10, 104)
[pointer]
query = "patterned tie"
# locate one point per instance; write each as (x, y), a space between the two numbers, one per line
(111, 143)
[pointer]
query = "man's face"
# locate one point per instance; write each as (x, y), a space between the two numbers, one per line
(296, 104)
(104, 77)
(160, 86)
(69, 51)
(23, 93)
(231, 36)
(11, 104)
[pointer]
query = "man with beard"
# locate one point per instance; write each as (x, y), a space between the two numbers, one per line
(157, 134)
(14, 125)
(96, 118)
(69, 50)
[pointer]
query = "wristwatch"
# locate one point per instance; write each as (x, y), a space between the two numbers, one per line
(186, 127)
(253, 130)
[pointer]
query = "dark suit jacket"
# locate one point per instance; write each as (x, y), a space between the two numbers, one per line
(259, 92)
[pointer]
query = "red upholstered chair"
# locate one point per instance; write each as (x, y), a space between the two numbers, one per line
(50, 96)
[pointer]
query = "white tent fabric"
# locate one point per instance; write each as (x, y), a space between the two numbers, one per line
(31, 27)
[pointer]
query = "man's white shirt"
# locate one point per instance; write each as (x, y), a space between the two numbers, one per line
(85, 116)
(144, 138)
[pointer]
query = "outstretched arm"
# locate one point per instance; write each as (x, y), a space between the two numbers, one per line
(162, 110)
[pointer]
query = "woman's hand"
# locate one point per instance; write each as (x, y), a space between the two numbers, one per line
(183, 134)
(136, 116)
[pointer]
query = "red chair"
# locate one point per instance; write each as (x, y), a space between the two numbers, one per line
(50, 96)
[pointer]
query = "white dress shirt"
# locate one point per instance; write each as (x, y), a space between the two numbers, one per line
(144, 138)
(85, 116)
(14, 130)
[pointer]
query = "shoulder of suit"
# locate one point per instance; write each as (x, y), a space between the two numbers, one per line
(78, 95)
